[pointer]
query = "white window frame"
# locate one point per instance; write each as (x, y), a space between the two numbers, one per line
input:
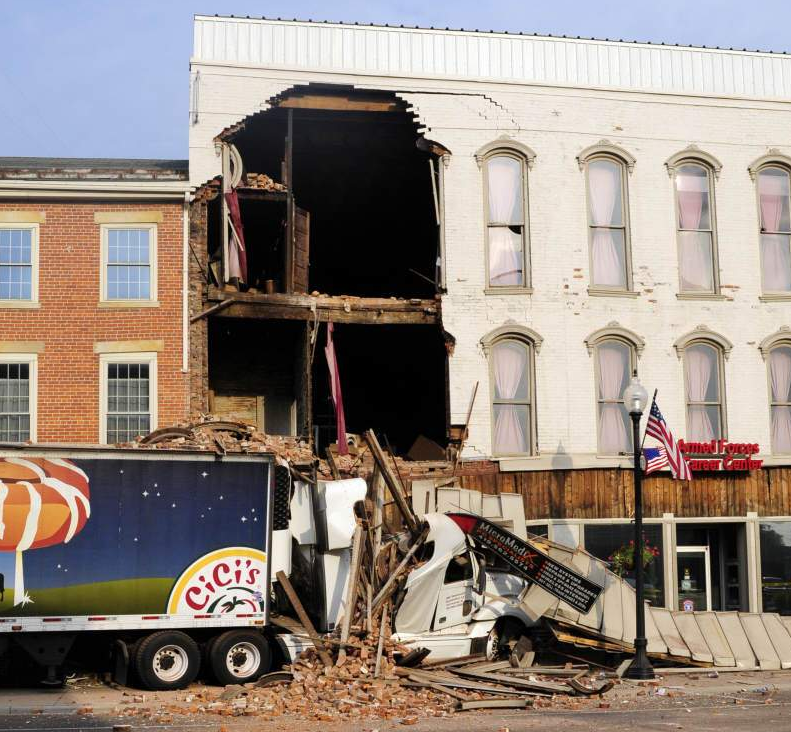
(712, 230)
(778, 163)
(524, 163)
(33, 302)
(153, 266)
(630, 346)
(31, 359)
(721, 404)
(141, 357)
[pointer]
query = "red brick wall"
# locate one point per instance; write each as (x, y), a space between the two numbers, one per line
(69, 320)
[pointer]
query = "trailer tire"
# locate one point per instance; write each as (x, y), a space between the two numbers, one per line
(239, 656)
(167, 660)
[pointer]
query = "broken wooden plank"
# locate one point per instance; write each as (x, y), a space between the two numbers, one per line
(423, 683)
(715, 638)
(652, 634)
(690, 632)
(380, 645)
(303, 617)
(760, 642)
(538, 603)
(389, 587)
(464, 706)
(392, 480)
(663, 619)
(779, 636)
(351, 589)
(537, 687)
(593, 619)
(612, 618)
(743, 654)
(456, 682)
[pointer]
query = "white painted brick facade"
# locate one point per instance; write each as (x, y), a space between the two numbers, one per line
(557, 123)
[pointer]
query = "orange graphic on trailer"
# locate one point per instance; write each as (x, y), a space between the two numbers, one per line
(43, 502)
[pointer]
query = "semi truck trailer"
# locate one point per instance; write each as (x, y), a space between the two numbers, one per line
(161, 563)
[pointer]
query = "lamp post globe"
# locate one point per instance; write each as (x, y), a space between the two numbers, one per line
(635, 396)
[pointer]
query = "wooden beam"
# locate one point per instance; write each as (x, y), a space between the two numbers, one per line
(389, 587)
(362, 310)
(392, 480)
(351, 590)
(342, 103)
(293, 598)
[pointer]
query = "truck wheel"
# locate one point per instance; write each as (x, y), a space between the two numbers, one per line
(166, 660)
(239, 656)
(502, 638)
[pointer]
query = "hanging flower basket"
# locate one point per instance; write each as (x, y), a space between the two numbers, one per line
(622, 559)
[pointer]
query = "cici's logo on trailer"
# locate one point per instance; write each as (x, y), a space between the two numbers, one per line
(227, 581)
(714, 455)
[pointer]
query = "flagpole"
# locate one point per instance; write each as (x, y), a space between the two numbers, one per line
(645, 432)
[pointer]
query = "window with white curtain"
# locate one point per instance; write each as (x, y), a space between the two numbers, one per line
(506, 236)
(697, 253)
(703, 382)
(614, 363)
(774, 193)
(607, 224)
(513, 418)
(779, 364)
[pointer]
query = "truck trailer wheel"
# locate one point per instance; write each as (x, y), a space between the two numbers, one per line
(166, 660)
(238, 656)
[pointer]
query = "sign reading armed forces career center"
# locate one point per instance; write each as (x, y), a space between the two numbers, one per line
(556, 578)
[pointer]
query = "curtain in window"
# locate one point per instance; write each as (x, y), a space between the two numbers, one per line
(701, 366)
(506, 259)
(510, 378)
(505, 256)
(604, 182)
(613, 364)
(780, 376)
(694, 246)
(505, 190)
(773, 194)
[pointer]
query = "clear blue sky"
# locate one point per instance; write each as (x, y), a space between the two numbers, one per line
(110, 78)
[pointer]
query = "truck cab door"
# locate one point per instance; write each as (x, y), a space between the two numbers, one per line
(457, 599)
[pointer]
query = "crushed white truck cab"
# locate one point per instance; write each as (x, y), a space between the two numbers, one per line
(453, 604)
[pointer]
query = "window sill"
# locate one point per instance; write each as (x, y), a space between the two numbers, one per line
(122, 304)
(19, 304)
(598, 292)
(775, 297)
(701, 296)
(508, 290)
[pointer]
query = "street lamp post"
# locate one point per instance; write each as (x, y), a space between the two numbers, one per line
(635, 399)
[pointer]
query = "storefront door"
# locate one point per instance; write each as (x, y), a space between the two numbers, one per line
(694, 578)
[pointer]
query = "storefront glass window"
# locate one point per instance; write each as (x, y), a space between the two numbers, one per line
(776, 567)
(605, 541)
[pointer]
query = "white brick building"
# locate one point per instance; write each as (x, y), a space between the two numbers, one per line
(693, 142)
(557, 97)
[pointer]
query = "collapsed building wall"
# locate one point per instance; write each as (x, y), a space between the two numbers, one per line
(330, 190)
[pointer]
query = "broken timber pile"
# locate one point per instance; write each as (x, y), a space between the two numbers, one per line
(358, 671)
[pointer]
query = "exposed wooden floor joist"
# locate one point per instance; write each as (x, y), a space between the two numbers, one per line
(347, 309)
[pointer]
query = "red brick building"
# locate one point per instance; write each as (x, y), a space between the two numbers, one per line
(93, 319)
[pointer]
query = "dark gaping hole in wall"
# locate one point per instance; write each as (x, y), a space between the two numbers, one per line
(368, 190)
(392, 378)
(257, 374)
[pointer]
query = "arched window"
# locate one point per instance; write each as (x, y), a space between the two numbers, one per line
(615, 360)
(696, 229)
(608, 216)
(779, 365)
(704, 389)
(504, 165)
(512, 389)
(774, 195)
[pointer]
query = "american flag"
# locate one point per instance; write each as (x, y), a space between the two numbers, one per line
(657, 427)
(655, 459)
